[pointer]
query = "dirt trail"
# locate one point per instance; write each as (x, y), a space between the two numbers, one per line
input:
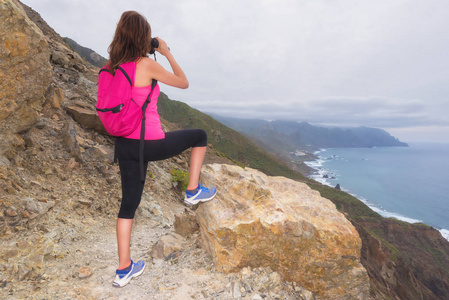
(90, 245)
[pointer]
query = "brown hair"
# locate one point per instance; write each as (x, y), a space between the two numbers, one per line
(132, 40)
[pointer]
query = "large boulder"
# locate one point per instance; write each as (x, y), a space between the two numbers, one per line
(25, 73)
(261, 221)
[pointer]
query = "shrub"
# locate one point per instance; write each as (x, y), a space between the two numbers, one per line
(181, 178)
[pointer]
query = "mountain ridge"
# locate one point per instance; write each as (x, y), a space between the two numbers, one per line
(306, 136)
(88, 54)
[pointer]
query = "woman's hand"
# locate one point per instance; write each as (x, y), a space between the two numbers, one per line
(156, 71)
(163, 48)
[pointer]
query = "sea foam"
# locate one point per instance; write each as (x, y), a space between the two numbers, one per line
(320, 172)
(445, 233)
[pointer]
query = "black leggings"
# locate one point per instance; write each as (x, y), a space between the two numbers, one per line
(127, 151)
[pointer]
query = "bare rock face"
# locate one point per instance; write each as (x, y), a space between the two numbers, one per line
(25, 73)
(262, 221)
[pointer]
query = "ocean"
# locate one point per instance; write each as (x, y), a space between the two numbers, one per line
(407, 183)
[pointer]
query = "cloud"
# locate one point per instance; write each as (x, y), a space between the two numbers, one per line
(344, 111)
(319, 61)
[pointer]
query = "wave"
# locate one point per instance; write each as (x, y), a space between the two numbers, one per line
(320, 173)
(445, 233)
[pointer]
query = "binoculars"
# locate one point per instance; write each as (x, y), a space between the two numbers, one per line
(154, 44)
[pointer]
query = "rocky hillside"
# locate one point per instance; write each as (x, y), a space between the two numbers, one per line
(60, 193)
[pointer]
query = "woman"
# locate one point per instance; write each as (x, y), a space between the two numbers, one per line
(132, 43)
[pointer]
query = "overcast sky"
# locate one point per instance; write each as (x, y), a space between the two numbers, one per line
(381, 63)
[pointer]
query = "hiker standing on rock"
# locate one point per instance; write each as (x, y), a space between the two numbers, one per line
(132, 43)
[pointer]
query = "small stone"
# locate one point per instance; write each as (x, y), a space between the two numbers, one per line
(11, 212)
(246, 271)
(306, 294)
(16, 186)
(243, 291)
(22, 271)
(41, 125)
(85, 272)
(11, 253)
(79, 67)
(57, 98)
(102, 153)
(111, 179)
(86, 202)
(72, 164)
(4, 161)
(65, 77)
(167, 247)
(48, 171)
(43, 228)
(185, 224)
(59, 58)
(36, 207)
(236, 290)
(36, 260)
(33, 182)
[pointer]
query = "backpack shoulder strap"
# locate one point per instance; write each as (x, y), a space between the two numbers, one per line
(126, 75)
(142, 130)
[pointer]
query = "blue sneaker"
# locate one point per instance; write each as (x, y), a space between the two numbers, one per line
(202, 194)
(123, 277)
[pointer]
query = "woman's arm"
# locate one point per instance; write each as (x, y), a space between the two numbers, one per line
(177, 78)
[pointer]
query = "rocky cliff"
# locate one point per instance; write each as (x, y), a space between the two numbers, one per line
(59, 195)
(259, 220)
(25, 75)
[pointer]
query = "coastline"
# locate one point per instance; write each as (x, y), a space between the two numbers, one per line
(325, 177)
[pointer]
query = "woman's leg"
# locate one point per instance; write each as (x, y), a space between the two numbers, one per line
(132, 188)
(124, 227)
(176, 142)
(196, 161)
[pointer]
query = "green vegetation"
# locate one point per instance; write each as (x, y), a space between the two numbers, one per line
(181, 178)
(395, 253)
(228, 142)
(346, 203)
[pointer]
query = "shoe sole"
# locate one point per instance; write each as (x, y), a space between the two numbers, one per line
(122, 284)
(196, 201)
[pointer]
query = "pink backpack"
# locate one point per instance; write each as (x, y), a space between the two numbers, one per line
(118, 112)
